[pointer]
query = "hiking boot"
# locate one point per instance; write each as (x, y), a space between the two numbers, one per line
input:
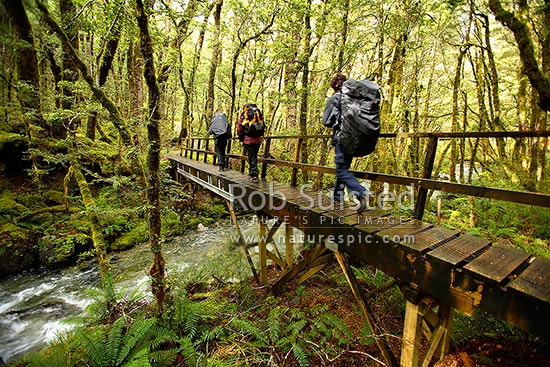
(254, 179)
(364, 202)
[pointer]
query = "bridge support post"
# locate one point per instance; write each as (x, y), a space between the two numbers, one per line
(381, 342)
(242, 243)
(421, 319)
(262, 245)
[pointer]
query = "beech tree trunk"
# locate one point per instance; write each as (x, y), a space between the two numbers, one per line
(26, 63)
(157, 272)
(216, 60)
(108, 55)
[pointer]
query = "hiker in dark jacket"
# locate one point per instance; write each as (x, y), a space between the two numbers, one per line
(342, 161)
(252, 146)
(221, 129)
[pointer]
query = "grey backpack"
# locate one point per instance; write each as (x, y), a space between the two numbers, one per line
(360, 117)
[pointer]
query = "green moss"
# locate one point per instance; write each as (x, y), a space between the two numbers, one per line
(7, 137)
(54, 197)
(59, 250)
(135, 236)
(172, 224)
(10, 207)
(18, 250)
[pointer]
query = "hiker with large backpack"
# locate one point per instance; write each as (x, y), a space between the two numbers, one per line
(221, 129)
(353, 114)
(250, 129)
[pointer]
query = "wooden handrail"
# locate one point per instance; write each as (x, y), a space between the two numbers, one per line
(422, 184)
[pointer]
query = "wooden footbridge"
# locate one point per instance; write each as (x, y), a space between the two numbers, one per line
(439, 270)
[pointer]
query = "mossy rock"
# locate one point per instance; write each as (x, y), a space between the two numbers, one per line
(18, 251)
(53, 197)
(63, 249)
(172, 224)
(10, 207)
(138, 234)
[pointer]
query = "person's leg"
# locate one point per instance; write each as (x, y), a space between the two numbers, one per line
(220, 150)
(342, 162)
(345, 178)
(340, 166)
(253, 159)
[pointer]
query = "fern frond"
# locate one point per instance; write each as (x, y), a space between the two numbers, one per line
(160, 335)
(136, 333)
(274, 323)
(114, 338)
(161, 358)
(187, 349)
(247, 327)
(338, 328)
(300, 355)
(192, 320)
(140, 359)
(295, 327)
(94, 342)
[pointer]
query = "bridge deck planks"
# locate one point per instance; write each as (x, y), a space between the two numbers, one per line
(497, 263)
(534, 280)
(458, 249)
(465, 271)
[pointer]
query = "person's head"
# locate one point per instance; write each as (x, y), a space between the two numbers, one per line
(337, 81)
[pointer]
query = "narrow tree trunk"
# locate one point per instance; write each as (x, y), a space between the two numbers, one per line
(291, 69)
(134, 66)
(216, 60)
(189, 92)
(341, 51)
(106, 63)
(157, 271)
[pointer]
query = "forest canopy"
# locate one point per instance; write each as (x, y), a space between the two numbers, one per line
(442, 66)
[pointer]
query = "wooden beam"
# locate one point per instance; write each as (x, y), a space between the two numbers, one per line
(241, 241)
(389, 358)
(262, 244)
(410, 348)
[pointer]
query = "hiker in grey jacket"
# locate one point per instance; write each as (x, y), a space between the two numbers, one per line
(221, 129)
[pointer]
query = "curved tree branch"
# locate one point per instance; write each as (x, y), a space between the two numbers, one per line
(538, 80)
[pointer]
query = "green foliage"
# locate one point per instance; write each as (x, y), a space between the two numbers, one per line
(123, 344)
(301, 355)
(482, 324)
(138, 234)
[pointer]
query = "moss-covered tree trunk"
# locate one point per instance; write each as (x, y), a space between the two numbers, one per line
(27, 71)
(157, 272)
(108, 55)
(99, 94)
(92, 217)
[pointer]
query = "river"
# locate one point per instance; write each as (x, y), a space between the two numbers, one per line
(36, 307)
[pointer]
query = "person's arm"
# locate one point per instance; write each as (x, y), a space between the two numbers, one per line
(210, 131)
(240, 125)
(331, 114)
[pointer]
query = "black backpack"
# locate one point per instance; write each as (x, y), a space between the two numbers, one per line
(253, 122)
(359, 117)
